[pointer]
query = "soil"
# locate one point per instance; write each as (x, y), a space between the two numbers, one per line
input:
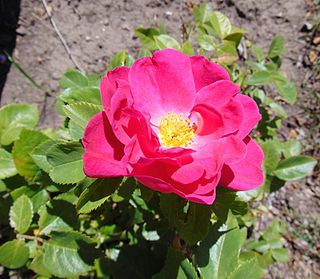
(96, 30)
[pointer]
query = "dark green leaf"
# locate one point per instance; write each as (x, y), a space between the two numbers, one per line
(146, 37)
(259, 78)
(96, 194)
(53, 218)
(172, 208)
(197, 225)
(271, 155)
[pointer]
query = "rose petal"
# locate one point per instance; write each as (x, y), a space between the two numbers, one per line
(109, 84)
(217, 94)
(206, 72)
(162, 84)
(104, 154)
(251, 115)
(245, 174)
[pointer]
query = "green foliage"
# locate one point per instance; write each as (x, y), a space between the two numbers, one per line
(56, 222)
(21, 214)
(15, 118)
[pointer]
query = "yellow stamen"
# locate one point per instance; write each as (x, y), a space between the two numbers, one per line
(175, 130)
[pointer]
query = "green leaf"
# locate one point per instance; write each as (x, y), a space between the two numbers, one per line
(66, 161)
(280, 254)
(291, 148)
(14, 254)
(207, 42)
(73, 79)
(38, 154)
(172, 207)
(187, 271)
(278, 109)
(259, 78)
(146, 36)
(249, 269)
(70, 254)
(197, 225)
(201, 13)
(295, 167)
(81, 112)
(187, 48)
(165, 41)
(15, 118)
(52, 218)
(118, 60)
(217, 256)
(7, 166)
(38, 266)
(85, 94)
(96, 194)
(221, 24)
(22, 149)
(287, 90)
(76, 132)
(277, 47)
(21, 214)
(171, 265)
(271, 155)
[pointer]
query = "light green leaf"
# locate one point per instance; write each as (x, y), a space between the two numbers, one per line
(165, 41)
(70, 254)
(259, 78)
(295, 167)
(187, 270)
(146, 36)
(22, 148)
(221, 24)
(207, 42)
(187, 48)
(15, 118)
(96, 194)
(38, 266)
(73, 79)
(197, 225)
(21, 214)
(14, 254)
(52, 218)
(271, 155)
(81, 112)
(7, 166)
(249, 269)
(217, 256)
(66, 161)
(287, 90)
(38, 154)
(118, 60)
(277, 47)
(202, 13)
(278, 109)
(84, 94)
(280, 254)
(291, 148)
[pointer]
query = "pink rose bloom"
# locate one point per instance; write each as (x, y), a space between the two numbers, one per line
(178, 125)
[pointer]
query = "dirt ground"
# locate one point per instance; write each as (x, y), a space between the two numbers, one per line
(96, 30)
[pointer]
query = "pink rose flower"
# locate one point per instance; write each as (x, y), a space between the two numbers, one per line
(178, 125)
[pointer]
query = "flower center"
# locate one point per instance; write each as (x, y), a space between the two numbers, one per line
(175, 130)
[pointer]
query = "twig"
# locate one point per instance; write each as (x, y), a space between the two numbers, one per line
(30, 237)
(63, 41)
